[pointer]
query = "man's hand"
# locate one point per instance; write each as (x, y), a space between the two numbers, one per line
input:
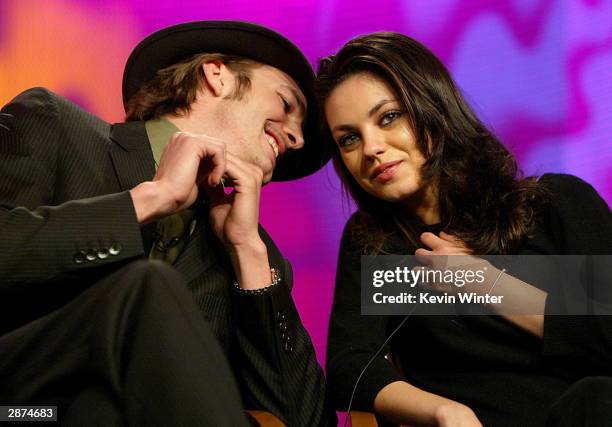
(188, 161)
(234, 219)
(193, 162)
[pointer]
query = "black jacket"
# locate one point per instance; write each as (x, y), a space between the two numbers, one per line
(65, 177)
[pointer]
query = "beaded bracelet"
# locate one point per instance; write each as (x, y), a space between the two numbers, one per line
(276, 278)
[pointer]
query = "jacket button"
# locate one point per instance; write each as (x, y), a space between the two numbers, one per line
(282, 326)
(80, 257)
(92, 254)
(115, 249)
(280, 315)
(103, 253)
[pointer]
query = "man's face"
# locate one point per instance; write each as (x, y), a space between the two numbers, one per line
(266, 121)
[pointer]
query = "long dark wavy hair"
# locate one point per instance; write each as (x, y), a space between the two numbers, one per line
(481, 197)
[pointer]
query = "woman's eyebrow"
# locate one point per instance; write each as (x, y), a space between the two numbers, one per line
(372, 111)
(378, 106)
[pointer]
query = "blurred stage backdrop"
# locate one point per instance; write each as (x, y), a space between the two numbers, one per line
(539, 72)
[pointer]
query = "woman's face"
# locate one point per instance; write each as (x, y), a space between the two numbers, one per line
(375, 139)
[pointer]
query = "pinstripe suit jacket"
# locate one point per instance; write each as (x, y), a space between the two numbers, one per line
(67, 219)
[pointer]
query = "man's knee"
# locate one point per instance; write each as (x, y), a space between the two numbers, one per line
(147, 273)
(148, 269)
(145, 283)
(142, 296)
(591, 388)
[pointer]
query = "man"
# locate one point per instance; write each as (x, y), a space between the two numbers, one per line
(106, 333)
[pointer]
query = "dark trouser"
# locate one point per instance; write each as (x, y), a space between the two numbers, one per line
(587, 403)
(133, 349)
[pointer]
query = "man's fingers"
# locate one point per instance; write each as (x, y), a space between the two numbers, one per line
(242, 173)
(216, 160)
(215, 152)
(211, 152)
(219, 163)
(215, 194)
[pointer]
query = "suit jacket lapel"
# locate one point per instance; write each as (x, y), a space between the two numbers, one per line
(131, 154)
(201, 251)
(196, 257)
(133, 163)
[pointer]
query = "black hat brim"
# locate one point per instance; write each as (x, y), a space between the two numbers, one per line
(177, 43)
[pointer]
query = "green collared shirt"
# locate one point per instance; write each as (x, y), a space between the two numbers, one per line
(159, 132)
(172, 232)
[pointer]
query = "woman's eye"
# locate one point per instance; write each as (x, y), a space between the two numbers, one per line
(347, 140)
(389, 117)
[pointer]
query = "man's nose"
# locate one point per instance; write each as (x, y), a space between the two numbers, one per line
(295, 136)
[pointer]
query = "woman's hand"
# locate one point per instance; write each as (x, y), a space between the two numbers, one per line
(449, 254)
(446, 252)
(521, 303)
(444, 244)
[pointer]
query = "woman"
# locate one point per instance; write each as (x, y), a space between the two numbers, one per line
(429, 178)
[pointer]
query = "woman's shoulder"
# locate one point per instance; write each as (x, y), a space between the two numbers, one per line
(570, 194)
(562, 184)
(576, 214)
(350, 241)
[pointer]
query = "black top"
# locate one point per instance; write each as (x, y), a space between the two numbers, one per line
(507, 376)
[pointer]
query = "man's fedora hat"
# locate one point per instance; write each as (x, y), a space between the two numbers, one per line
(177, 43)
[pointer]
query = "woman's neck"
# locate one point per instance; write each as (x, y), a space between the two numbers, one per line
(424, 205)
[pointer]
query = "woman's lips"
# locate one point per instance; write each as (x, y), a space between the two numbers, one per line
(386, 171)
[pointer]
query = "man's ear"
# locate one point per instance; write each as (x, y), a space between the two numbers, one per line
(218, 79)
